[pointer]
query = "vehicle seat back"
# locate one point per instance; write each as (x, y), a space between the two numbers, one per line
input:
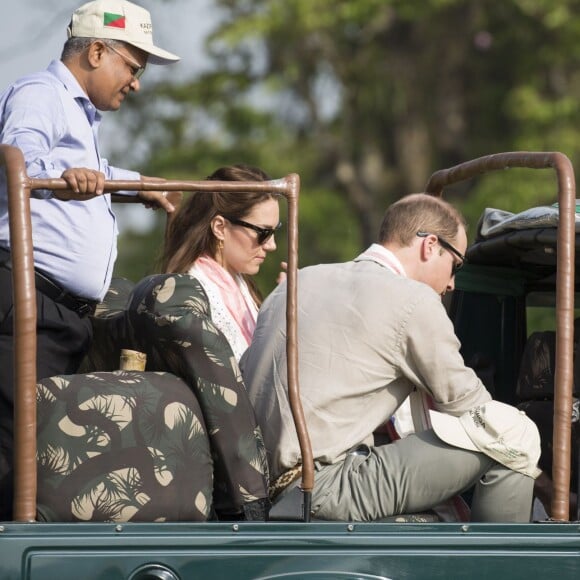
(121, 446)
(168, 317)
(535, 390)
(538, 367)
(108, 328)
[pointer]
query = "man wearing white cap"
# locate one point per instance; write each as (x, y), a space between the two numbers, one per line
(371, 333)
(53, 117)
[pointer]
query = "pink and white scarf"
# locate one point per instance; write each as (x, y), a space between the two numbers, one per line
(233, 309)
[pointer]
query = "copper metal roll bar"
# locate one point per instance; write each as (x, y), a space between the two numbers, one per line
(19, 190)
(566, 249)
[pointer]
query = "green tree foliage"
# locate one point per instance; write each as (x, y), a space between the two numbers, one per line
(365, 98)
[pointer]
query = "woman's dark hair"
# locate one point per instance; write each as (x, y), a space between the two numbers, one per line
(190, 235)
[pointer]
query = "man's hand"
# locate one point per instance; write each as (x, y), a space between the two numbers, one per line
(84, 181)
(155, 200)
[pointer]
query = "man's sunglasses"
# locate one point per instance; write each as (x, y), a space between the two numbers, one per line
(450, 248)
(264, 234)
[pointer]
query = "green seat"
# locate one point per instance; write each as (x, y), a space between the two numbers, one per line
(121, 446)
(108, 328)
(190, 370)
(168, 318)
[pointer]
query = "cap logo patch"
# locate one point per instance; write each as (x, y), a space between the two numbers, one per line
(113, 20)
(477, 417)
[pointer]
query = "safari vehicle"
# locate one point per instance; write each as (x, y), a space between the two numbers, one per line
(509, 274)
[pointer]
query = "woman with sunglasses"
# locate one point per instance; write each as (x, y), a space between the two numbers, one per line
(222, 239)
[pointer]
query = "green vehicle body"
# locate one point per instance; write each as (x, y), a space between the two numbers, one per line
(489, 309)
(314, 551)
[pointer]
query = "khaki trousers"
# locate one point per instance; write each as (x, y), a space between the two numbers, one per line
(415, 474)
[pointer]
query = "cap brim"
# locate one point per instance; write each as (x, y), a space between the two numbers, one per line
(449, 429)
(156, 55)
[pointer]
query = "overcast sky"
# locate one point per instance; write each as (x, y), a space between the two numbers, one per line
(32, 33)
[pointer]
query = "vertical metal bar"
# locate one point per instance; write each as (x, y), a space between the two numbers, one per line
(24, 335)
(292, 349)
(565, 287)
(563, 384)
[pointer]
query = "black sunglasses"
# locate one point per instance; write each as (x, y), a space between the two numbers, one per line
(446, 245)
(264, 234)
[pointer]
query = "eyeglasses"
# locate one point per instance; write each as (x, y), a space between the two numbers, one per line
(447, 246)
(264, 234)
(136, 69)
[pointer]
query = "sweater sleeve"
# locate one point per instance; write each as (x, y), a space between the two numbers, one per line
(431, 360)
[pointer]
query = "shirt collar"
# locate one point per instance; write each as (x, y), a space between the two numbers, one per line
(380, 255)
(65, 76)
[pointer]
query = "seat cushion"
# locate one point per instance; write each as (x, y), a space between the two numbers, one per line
(538, 367)
(121, 446)
(108, 329)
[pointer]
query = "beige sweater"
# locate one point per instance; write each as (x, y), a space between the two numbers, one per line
(367, 338)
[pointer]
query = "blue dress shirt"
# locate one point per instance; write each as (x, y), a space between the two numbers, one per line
(50, 118)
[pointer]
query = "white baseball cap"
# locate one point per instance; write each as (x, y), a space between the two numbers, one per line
(118, 20)
(501, 431)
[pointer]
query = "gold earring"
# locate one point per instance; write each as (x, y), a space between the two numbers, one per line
(220, 258)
